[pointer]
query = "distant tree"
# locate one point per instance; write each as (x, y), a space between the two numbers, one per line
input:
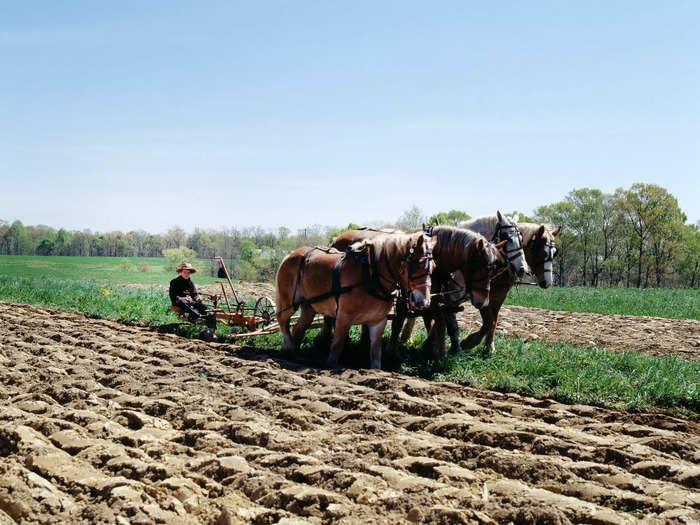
(174, 257)
(653, 216)
(450, 218)
(411, 219)
(63, 239)
(175, 238)
(80, 244)
(17, 240)
(688, 263)
(332, 234)
(47, 246)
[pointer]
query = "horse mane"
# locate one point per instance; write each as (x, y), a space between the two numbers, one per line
(529, 229)
(485, 225)
(388, 244)
(455, 240)
(379, 230)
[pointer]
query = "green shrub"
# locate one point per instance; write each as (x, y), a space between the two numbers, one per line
(176, 256)
(125, 265)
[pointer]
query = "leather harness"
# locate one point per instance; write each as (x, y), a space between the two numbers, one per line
(371, 277)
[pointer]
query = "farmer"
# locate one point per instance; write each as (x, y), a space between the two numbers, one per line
(183, 294)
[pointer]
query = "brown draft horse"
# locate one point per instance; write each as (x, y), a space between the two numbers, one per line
(538, 245)
(354, 287)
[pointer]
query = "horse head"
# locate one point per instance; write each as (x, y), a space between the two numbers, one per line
(481, 268)
(540, 251)
(416, 269)
(507, 230)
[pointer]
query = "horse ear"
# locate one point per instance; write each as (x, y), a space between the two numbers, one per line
(500, 217)
(501, 244)
(515, 217)
(480, 245)
(557, 231)
(420, 241)
(540, 231)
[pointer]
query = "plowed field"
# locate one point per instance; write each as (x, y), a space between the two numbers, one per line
(105, 423)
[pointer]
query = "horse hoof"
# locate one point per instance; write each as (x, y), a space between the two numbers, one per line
(487, 350)
(454, 349)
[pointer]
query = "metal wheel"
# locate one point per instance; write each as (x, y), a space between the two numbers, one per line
(265, 308)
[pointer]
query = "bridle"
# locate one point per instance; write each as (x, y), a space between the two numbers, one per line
(413, 269)
(550, 252)
(419, 269)
(493, 269)
(512, 236)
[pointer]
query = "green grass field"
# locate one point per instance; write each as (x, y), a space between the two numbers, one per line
(573, 375)
(654, 302)
(107, 270)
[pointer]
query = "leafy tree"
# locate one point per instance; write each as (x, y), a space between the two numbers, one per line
(411, 219)
(450, 218)
(63, 239)
(332, 234)
(17, 240)
(654, 217)
(174, 257)
(175, 238)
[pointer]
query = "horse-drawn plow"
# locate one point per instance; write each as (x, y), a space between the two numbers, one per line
(229, 309)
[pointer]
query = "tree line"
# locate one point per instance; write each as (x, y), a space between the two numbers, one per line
(633, 237)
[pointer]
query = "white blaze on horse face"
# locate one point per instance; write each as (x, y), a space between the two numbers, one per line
(550, 251)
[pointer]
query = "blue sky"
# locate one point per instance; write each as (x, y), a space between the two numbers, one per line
(147, 115)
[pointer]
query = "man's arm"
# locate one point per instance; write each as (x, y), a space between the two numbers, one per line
(173, 292)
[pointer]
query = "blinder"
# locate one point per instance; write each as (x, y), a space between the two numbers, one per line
(512, 235)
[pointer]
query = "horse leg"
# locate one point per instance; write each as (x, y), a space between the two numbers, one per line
(396, 324)
(326, 332)
(475, 338)
(452, 331)
(407, 331)
(375, 351)
(436, 336)
(364, 337)
(342, 327)
(305, 320)
(283, 318)
(494, 307)
(428, 317)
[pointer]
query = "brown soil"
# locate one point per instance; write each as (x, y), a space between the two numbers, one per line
(105, 423)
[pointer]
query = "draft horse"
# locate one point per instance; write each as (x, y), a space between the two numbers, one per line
(540, 251)
(356, 286)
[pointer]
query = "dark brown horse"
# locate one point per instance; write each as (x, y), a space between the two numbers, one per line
(355, 287)
(539, 248)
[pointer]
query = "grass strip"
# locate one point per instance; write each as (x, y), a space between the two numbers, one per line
(570, 374)
(653, 302)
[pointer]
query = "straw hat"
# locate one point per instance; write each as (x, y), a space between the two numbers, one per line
(186, 266)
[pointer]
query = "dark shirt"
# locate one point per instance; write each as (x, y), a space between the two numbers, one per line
(180, 287)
